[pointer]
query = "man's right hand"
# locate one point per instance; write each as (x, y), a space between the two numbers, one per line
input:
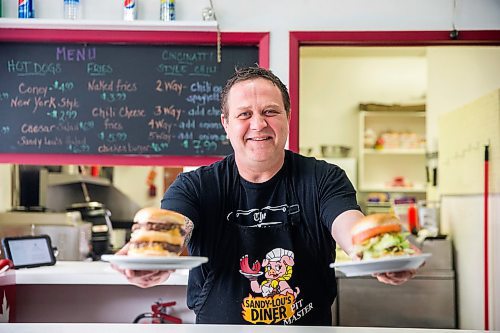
(141, 278)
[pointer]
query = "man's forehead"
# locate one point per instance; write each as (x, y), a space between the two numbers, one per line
(248, 87)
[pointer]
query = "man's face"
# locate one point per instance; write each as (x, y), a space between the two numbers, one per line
(257, 124)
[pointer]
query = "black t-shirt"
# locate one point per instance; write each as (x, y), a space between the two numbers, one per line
(208, 197)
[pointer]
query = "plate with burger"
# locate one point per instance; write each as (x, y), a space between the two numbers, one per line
(381, 246)
(157, 239)
(154, 263)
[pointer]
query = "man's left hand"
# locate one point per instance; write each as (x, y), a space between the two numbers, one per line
(396, 278)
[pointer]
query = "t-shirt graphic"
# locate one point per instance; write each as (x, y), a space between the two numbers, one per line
(277, 301)
(266, 216)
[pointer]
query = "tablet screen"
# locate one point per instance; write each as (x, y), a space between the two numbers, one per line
(30, 251)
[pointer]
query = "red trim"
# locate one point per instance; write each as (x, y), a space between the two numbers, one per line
(369, 38)
(111, 160)
(264, 50)
(294, 79)
(137, 37)
(486, 236)
(259, 39)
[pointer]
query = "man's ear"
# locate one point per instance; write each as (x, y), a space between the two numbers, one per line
(223, 121)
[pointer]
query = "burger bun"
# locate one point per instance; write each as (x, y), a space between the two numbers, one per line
(157, 232)
(158, 215)
(374, 225)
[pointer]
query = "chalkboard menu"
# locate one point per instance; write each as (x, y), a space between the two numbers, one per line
(115, 99)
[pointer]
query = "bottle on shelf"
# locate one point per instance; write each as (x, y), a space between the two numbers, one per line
(25, 9)
(167, 10)
(72, 10)
(130, 10)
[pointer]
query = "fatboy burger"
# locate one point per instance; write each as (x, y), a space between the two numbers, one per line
(379, 235)
(157, 232)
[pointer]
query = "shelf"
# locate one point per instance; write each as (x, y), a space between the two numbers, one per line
(418, 114)
(395, 151)
(394, 189)
(64, 178)
(140, 25)
(379, 167)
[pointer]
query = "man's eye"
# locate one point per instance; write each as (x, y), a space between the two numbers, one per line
(244, 115)
(271, 113)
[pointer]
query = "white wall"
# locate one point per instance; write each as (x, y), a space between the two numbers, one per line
(470, 73)
(465, 216)
(131, 180)
(5, 187)
(333, 81)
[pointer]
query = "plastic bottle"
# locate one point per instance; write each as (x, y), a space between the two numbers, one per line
(72, 9)
(25, 9)
(130, 10)
(412, 219)
(167, 10)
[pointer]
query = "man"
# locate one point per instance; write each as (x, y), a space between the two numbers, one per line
(264, 217)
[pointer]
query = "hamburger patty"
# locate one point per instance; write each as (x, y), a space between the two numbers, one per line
(159, 227)
(164, 245)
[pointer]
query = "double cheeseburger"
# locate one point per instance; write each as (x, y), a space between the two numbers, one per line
(379, 235)
(157, 232)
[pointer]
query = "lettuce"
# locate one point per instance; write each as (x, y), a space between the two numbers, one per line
(384, 245)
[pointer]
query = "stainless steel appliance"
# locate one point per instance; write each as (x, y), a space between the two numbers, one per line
(98, 216)
(43, 189)
(426, 301)
(67, 231)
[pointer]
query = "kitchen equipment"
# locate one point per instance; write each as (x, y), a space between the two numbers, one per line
(405, 211)
(426, 301)
(95, 213)
(68, 233)
(335, 151)
(428, 216)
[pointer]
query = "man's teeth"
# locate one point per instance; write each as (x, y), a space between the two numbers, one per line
(259, 139)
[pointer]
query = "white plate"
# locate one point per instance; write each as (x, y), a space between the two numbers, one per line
(383, 265)
(154, 263)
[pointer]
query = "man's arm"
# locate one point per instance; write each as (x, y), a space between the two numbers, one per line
(341, 230)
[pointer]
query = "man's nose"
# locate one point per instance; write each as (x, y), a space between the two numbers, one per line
(258, 122)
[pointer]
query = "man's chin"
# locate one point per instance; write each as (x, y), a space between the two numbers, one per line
(262, 154)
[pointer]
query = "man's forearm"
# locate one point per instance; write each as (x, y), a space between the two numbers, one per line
(341, 229)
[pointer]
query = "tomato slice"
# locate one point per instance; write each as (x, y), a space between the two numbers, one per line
(372, 232)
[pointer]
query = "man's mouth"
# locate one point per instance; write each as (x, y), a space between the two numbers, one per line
(259, 138)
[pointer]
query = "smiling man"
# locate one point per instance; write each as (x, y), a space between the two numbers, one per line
(256, 122)
(267, 219)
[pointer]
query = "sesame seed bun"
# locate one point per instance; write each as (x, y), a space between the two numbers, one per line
(374, 225)
(158, 215)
